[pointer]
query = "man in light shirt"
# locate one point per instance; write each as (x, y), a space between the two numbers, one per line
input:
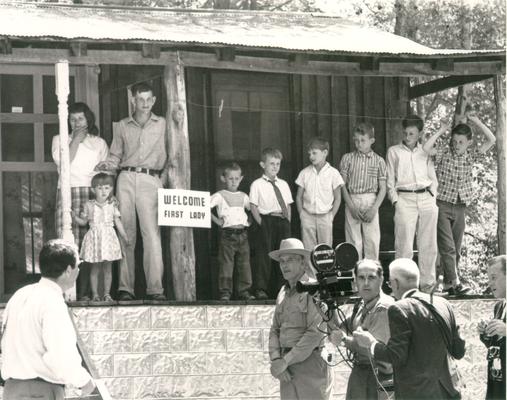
(39, 352)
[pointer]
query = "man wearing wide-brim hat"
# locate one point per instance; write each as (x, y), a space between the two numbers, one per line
(295, 340)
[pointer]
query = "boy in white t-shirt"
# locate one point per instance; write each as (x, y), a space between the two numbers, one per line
(233, 247)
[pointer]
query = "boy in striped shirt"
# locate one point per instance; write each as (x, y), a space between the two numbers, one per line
(364, 173)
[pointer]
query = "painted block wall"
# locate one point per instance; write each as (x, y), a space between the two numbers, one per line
(217, 351)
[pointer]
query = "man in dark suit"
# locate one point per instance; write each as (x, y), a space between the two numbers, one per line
(417, 348)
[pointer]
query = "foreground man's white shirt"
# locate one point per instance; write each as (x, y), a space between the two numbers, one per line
(39, 340)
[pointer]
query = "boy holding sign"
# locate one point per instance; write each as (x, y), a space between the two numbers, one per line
(233, 247)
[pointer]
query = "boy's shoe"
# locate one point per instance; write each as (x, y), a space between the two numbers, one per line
(460, 290)
(156, 297)
(125, 296)
(107, 298)
(84, 298)
(261, 295)
(246, 296)
(96, 298)
(225, 297)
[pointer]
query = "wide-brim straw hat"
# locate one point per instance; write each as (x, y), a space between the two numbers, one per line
(290, 246)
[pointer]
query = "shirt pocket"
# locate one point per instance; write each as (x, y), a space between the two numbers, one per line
(372, 171)
(297, 311)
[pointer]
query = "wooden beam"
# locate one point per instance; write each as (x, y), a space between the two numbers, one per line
(369, 64)
(249, 63)
(225, 54)
(78, 49)
(181, 240)
(498, 84)
(298, 59)
(150, 50)
(438, 85)
(443, 64)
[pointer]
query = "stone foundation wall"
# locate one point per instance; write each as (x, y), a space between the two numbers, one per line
(217, 351)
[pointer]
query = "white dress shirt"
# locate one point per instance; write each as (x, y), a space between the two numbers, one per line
(263, 195)
(90, 152)
(39, 340)
(410, 170)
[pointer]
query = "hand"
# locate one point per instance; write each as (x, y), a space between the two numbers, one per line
(369, 214)
(336, 337)
(363, 338)
(356, 214)
(481, 327)
(88, 388)
(278, 366)
(101, 166)
(126, 241)
(220, 221)
(444, 126)
(495, 327)
(285, 376)
(80, 133)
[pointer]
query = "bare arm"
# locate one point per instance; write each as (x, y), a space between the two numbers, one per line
(490, 137)
(299, 199)
(429, 145)
(255, 213)
(337, 200)
(217, 220)
(121, 229)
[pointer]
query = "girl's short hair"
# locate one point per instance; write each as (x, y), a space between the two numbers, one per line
(89, 115)
(102, 179)
(462, 129)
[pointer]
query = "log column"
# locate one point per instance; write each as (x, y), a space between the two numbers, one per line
(498, 83)
(181, 239)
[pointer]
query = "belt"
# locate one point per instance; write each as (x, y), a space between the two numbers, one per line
(413, 191)
(37, 380)
(236, 231)
(278, 215)
(285, 350)
(152, 172)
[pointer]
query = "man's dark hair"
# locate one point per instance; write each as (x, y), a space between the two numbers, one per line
(413, 120)
(79, 107)
(141, 87)
(54, 258)
(380, 271)
(462, 129)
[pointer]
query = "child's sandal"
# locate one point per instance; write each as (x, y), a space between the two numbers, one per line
(96, 298)
(108, 297)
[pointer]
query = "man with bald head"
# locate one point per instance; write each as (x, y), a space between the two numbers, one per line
(423, 332)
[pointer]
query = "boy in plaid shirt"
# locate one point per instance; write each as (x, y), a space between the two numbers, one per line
(453, 163)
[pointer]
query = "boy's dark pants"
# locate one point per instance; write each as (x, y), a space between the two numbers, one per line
(234, 250)
(450, 229)
(267, 274)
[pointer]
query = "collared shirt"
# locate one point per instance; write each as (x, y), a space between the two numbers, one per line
(295, 325)
(231, 207)
(454, 173)
(263, 195)
(372, 318)
(39, 339)
(408, 293)
(410, 170)
(139, 146)
(362, 172)
(319, 186)
(90, 152)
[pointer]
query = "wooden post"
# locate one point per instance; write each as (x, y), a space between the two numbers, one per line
(181, 239)
(62, 93)
(500, 146)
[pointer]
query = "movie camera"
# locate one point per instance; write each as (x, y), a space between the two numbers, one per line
(334, 273)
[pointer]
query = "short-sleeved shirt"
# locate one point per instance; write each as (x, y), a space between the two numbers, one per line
(362, 172)
(454, 174)
(231, 207)
(319, 186)
(262, 195)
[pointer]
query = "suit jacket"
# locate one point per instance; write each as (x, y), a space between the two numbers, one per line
(417, 349)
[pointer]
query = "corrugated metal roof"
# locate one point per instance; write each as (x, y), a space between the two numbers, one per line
(268, 30)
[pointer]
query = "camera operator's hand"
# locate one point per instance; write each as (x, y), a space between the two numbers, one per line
(495, 327)
(278, 366)
(336, 337)
(285, 376)
(364, 338)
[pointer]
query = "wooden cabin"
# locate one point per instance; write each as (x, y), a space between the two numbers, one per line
(246, 80)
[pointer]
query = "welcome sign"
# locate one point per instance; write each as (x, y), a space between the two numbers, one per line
(179, 207)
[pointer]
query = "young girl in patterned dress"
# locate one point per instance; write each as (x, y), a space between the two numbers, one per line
(100, 244)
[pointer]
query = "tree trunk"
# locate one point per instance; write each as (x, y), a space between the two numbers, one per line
(466, 43)
(181, 240)
(498, 84)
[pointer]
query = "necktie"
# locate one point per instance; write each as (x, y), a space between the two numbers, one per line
(280, 200)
